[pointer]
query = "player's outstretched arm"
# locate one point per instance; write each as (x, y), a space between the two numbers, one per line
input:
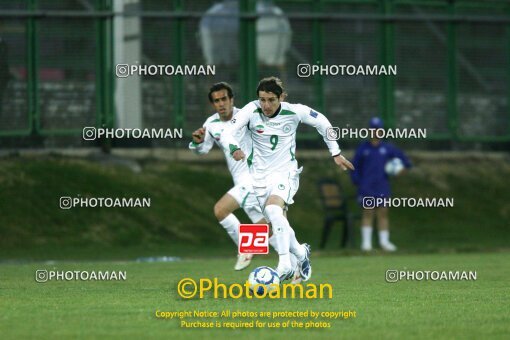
(321, 123)
(317, 120)
(343, 162)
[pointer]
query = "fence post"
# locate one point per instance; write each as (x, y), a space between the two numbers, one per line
(508, 72)
(32, 76)
(387, 51)
(178, 59)
(318, 54)
(105, 112)
(248, 50)
(452, 74)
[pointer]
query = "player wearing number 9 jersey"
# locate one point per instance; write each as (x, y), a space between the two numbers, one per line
(221, 97)
(272, 124)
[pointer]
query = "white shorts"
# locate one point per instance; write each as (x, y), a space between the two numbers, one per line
(245, 197)
(281, 184)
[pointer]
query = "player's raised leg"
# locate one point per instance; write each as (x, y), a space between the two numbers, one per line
(223, 210)
(285, 239)
(296, 279)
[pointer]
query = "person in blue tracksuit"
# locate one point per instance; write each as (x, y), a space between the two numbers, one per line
(371, 180)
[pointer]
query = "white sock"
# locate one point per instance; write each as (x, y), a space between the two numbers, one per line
(284, 264)
(293, 259)
(384, 236)
(296, 248)
(281, 236)
(366, 234)
(231, 225)
(275, 213)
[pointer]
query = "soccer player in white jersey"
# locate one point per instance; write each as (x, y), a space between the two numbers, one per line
(273, 124)
(241, 195)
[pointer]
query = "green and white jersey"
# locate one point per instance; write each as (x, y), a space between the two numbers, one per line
(274, 139)
(213, 127)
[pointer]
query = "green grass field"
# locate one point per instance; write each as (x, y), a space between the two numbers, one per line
(472, 236)
(126, 309)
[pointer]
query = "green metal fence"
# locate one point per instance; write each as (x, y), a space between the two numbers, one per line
(453, 61)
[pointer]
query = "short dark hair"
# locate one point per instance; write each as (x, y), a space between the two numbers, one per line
(271, 84)
(221, 86)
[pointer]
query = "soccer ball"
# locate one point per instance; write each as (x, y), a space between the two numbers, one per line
(263, 276)
(394, 166)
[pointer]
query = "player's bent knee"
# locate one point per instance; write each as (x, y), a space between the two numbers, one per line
(273, 212)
